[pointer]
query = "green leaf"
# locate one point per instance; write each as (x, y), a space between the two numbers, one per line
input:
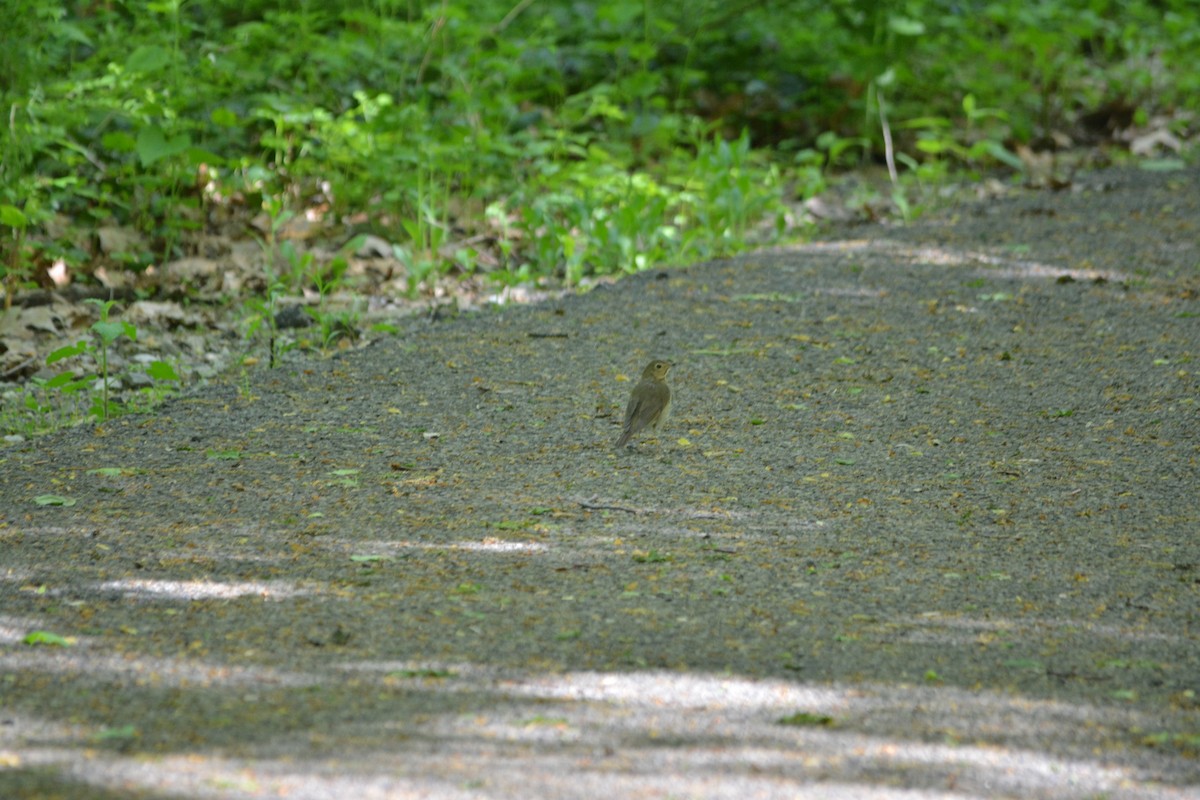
(108, 331)
(805, 719)
(107, 472)
(54, 500)
(148, 58)
(47, 638)
(73, 33)
(384, 327)
(119, 142)
(1002, 154)
(905, 26)
(60, 380)
(223, 117)
(162, 371)
(119, 734)
(1163, 164)
(12, 217)
(922, 123)
(153, 145)
(195, 156)
(934, 147)
(67, 352)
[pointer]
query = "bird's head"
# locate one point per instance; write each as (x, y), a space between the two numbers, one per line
(656, 370)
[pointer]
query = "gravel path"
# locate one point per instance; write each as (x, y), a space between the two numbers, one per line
(923, 524)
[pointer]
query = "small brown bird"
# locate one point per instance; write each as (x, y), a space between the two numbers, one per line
(649, 403)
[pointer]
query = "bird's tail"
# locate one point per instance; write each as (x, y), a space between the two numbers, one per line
(625, 434)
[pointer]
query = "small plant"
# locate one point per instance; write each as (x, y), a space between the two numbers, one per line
(52, 401)
(14, 266)
(264, 309)
(939, 138)
(842, 151)
(264, 316)
(162, 375)
(107, 332)
(334, 326)
(66, 385)
(337, 326)
(734, 191)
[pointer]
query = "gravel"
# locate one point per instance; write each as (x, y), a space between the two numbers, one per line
(923, 524)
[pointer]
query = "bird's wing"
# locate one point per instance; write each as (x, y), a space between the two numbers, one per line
(631, 410)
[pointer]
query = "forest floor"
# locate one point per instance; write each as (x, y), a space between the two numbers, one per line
(924, 524)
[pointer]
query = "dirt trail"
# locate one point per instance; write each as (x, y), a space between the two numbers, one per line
(923, 524)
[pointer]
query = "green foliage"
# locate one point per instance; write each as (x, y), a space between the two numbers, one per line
(807, 719)
(573, 139)
(47, 638)
(65, 398)
(107, 331)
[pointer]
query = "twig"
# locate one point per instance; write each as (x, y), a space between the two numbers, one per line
(19, 368)
(590, 506)
(511, 15)
(887, 136)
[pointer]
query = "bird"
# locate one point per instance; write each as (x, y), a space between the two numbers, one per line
(649, 403)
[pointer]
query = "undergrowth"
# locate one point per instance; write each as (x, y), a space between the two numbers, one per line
(565, 139)
(535, 141)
